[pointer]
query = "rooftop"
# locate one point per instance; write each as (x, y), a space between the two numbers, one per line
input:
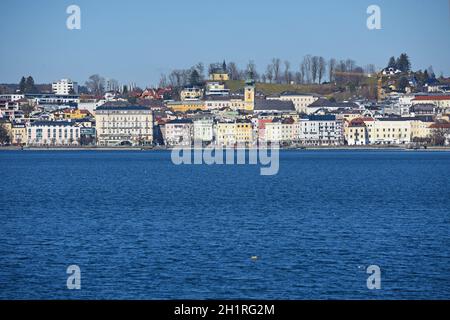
(120, 108)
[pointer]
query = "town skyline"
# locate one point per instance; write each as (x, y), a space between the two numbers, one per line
(127, 52)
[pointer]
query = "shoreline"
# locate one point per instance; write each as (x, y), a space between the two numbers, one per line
(306, 148)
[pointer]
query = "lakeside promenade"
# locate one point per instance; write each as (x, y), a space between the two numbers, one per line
(163, 148)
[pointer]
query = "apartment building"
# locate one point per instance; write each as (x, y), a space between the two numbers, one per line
(131, 125)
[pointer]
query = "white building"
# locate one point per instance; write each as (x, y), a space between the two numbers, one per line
(65, 87)
(321, 130)
(53, 133)
(281, 130)
(300, 101)
(389, 131)
(204, 130)
(216, 89)
(131, 125)
(178, 132)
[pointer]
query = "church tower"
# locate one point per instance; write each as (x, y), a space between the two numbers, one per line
(249, 94)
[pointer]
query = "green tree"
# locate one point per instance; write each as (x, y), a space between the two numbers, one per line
(194, 78)
(22, 85)
(29, 85)
(392, 63)
(404, 64)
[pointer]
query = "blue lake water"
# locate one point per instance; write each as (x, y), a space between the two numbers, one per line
(140, 227)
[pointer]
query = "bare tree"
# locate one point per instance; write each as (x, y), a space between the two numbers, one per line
(350, 65)
(331, 69)
(263, 78)
(287, 73)
(302, 72)
(162, 81)
(233, 71)
(96, 84)
(322, 67)
(307, 67)
(276, 62)
(369, 69)
(269, 73)
(314, 67)
(251, 70)
(298, 77)
(200, 67)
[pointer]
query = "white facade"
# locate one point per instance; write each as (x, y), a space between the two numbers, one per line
(65, 87)
(178, 133)
(321, 130)
(385, 131)
(131, 125)
(203, 130)
(279, 131)
(53, 133)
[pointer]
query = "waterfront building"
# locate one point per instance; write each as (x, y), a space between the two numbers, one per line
(204, 129)
(389, 131)
(281, 131)
(421, 128)
(179, 132)
(319, 130)
(18, 133)
(356, 133)
(229, 134)
(244, 132)
(131, 125)
(65, 87)
(52, 133)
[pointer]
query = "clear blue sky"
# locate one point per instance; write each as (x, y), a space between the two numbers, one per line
(137, 40)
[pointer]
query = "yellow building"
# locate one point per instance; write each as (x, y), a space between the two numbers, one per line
(184, 106)
(389, 131)
(421, 129)
(219, 76)
(71, 114)
(226, 134)
(356, 132)
(191, 93)
(18, 134)
(244, 132)
(231, 133)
